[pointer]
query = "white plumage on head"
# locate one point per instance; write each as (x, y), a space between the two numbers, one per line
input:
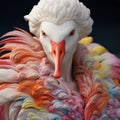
(58, 12)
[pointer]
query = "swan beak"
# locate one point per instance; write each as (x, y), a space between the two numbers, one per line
(58, 52)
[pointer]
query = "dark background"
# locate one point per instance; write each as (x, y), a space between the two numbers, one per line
(105, 13)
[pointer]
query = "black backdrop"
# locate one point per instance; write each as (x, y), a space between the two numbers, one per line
(105, 13)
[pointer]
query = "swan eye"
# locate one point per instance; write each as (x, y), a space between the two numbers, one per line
(72, 33)
(44, 34)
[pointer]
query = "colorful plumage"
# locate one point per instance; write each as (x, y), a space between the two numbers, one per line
(107, 64)
(54, 76)
(28, 70)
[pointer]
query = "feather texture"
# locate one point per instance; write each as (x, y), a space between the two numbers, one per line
(28, 89)
(107, 64)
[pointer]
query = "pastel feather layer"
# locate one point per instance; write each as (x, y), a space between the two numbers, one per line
(107, 64)
(107, 75)
(29, 90)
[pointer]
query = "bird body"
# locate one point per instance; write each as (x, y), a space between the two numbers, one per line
(53, 75)
(32, 81)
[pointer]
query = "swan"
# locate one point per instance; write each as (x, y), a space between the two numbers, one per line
(59, 25)
(57, 73)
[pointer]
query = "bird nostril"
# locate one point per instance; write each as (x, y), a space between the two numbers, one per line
(54, 52)
(61, 52)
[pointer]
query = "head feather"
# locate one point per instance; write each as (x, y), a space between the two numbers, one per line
(58, 12)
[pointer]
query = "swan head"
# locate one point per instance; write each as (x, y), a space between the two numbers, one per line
(59, 24)
(59, 43)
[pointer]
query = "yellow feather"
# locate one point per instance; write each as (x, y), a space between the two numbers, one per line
(86, 41)
(104, 71)
(98, 50)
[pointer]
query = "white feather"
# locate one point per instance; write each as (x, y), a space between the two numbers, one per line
(58, 12)
(8, 75)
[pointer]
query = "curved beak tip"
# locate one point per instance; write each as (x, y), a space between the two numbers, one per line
(57, 75)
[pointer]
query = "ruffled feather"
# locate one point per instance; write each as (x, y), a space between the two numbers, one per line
(28, 89)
